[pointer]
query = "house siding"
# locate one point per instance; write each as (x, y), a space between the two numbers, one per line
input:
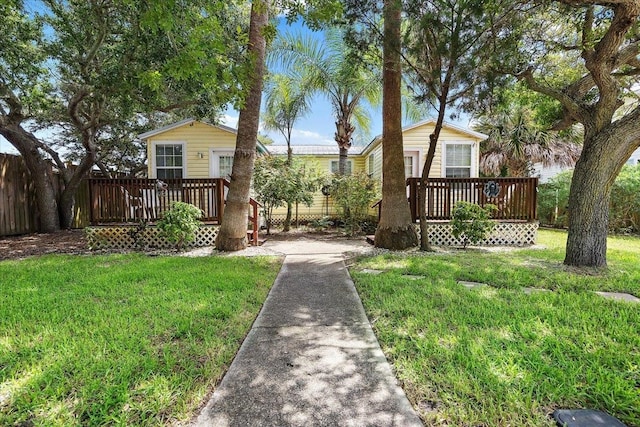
(321, 206)
(199, 138)
(202, 138)
(417, 139)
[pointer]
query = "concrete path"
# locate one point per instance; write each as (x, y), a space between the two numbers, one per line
(311, 358)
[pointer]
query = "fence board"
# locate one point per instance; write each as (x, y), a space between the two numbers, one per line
(18, 210)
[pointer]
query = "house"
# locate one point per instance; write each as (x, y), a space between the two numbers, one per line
(191, 149)
(457, 156)
(195, 158)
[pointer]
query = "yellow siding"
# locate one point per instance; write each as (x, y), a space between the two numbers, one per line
(417, 139)
(320, 206)
(199, 138)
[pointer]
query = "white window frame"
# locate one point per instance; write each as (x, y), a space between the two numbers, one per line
(154, 147)
(371, 163)
(337, 163)
(473, 171)
(416, 155)
(214, 161)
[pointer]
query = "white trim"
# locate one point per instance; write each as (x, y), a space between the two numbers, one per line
(445, 125)
(152, 160)
(416, 154)
(473, 173)
(181, 123)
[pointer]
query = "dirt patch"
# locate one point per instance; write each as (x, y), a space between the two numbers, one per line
(74, 242)
(61, 242)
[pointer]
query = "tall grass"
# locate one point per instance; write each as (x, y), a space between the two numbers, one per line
(121, 339)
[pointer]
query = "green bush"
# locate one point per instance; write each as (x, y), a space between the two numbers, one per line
(180, 223)
(625, 201)
(471, 223)
(277, 184)
(353, 194)
(553, 200)
(624, 216)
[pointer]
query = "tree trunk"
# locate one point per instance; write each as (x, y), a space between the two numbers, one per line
(68, 194)
(342, 163)
(233, 231)
(589, 197)
(395, 229)
(424, 180)
(287, 221)
(40, 174)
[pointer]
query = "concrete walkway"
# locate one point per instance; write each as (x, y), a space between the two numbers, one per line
(311, 358)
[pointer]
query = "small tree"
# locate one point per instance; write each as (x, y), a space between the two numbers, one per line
(471, 222)
(353, 194)
(180, 223)
(276, 183)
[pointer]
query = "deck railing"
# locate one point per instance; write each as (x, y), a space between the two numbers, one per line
(515, 198)
(123, 200)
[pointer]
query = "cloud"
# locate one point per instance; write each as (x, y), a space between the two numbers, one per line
(231, 121)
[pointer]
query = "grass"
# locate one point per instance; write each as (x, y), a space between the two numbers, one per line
(121, 339)
(495, 356)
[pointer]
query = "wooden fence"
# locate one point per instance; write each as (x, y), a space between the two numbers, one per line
(18, 211)
(515, 198)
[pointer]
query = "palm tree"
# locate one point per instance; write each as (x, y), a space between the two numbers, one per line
(233, 230)
(515, 143)
(287, 100)
(395, 230)
(328, 68)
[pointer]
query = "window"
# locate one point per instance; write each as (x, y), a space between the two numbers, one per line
(225, 165)
(371, 164)
(408, 166)
(335, 166)
(458, 160)
(169, 161)
(221, 164)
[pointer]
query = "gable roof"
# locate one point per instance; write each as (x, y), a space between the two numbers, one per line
(184, 122)
(143, 136)
(447, 125)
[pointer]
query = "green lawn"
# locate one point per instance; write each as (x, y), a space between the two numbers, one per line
(121, 339)
(495, 356)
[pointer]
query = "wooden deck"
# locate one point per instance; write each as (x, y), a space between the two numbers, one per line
(515, 198)
(124, 200)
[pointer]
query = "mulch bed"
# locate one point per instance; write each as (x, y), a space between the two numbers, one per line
(62, 242)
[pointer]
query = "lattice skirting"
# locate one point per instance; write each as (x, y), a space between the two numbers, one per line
(130, 237)
(504, 234)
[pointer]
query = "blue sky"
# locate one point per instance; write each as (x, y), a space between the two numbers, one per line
(317, 127)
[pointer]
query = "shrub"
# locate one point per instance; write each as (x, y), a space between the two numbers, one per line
(277, 184)
(553, 200)
(180, 223)
(625, 201)
(624, 214)
(321, 224)
(353, 194)
(471, 223)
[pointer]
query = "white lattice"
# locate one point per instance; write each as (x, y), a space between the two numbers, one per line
(504, 234)
(130, 237)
